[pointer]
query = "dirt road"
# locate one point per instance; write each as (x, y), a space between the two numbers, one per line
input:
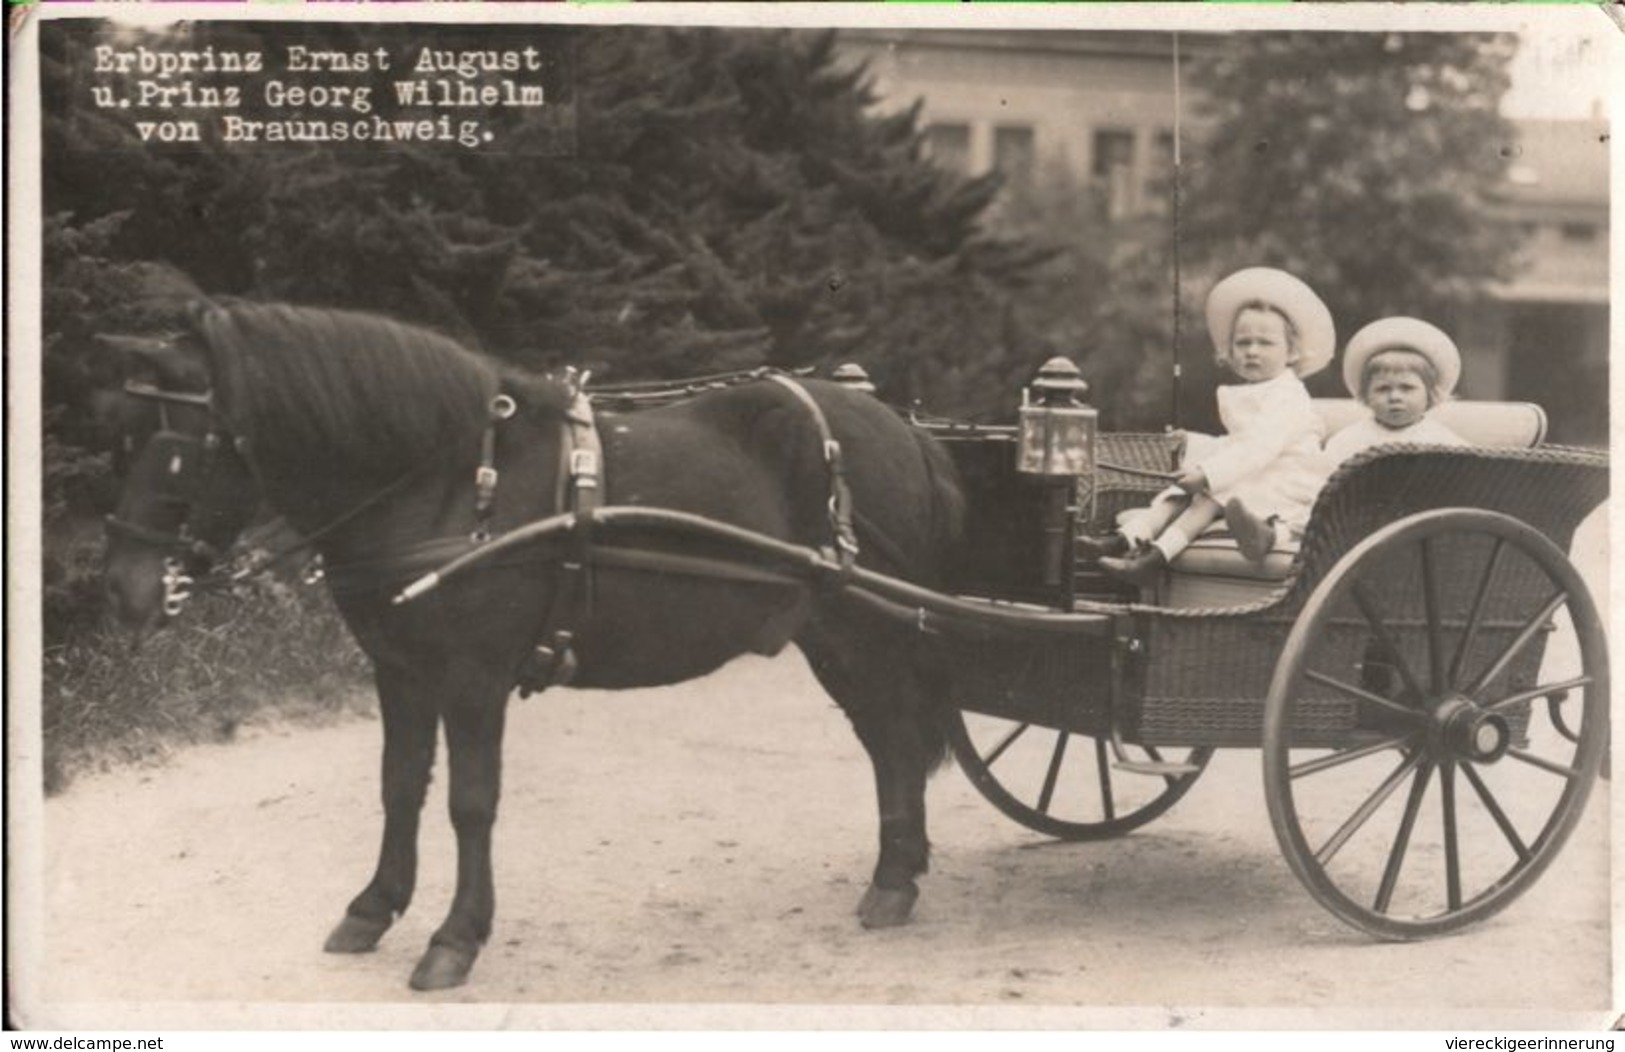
(701, 848)
(707, 844)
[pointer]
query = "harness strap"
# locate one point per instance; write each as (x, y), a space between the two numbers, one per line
(579, 491)
(485, 476)
(180, 541)
(840, 495)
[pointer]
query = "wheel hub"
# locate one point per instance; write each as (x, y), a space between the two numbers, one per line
(1463, 730)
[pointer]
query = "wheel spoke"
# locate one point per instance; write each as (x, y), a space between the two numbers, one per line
(1476, 616)
(1373, 618)
(1543, 763)
(1008, 740)
(1048, 792)
(1539, 692)
(1361, 694)
(1103, 768)
(1494, 808)
(1452, 846)
(1338, 759)
(1430, 602)
(1402, 839)
(1366, 810)
(1525, 634)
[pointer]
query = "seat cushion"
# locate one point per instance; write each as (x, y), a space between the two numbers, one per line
(1213, 574)
(1504, 425)
(1214, 553)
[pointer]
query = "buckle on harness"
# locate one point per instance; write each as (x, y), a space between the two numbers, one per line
(549, 664)
(584, 466)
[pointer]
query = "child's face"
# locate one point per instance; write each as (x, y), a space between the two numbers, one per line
(1259, 347)
(1397, 397)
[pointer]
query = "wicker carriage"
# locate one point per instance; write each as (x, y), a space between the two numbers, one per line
(1429, 634)
(1403, 644)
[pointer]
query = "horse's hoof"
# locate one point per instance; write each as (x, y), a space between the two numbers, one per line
(887, 907)
(356, 935)
(442, 968)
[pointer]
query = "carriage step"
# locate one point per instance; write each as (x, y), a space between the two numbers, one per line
(1155, 767)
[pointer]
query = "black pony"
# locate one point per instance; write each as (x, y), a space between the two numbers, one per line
(366, 435)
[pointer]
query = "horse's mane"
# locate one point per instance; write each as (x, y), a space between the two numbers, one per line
(344, 392)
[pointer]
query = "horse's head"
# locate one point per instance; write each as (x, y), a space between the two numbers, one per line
(186, 489)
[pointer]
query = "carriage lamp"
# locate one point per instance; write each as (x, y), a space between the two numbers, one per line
(1057, 445)
(1057, 429)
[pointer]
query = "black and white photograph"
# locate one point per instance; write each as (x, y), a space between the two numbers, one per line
(810, 517)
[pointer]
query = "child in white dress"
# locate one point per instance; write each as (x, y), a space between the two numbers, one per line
(1270, 330)
(1401, 369)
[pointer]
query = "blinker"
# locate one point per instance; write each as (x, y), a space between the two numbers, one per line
(177, 452)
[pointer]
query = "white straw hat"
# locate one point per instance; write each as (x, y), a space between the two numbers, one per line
(1402, 334)
(1317, 336)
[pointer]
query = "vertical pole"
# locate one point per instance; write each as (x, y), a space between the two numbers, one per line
(1177, 194)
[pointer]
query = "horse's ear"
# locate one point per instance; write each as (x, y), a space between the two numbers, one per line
(176, 363)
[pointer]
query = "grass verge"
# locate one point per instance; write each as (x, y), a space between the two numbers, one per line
(283, 653)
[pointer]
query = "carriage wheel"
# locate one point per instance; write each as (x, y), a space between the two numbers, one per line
(1483, 721)
(1063, 784)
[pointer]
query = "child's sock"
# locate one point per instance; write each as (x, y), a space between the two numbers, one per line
(1173, 541)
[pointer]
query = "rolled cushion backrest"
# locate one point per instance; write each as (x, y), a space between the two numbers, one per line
(1499, 425)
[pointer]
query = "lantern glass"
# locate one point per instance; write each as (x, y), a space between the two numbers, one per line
(1057, 440)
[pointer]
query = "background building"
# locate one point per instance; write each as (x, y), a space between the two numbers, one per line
(1100, 107)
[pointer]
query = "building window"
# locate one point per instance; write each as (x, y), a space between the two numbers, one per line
(948, 144)
(1159, 180)
(1112, 165)
(1114, 148)
(1580, 232)
(1013, 153)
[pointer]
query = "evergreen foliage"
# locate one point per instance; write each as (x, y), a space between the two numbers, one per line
(730, 201)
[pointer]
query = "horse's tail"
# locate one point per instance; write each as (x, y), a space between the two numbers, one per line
(932, 660)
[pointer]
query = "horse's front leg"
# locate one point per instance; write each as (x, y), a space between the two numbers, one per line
(409, 721)
(474, 745)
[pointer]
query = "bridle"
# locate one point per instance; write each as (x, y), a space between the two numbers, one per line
(190, 460)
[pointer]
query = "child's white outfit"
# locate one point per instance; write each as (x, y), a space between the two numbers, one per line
(1270, 455)
(1364, 434)
(1356, 438)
